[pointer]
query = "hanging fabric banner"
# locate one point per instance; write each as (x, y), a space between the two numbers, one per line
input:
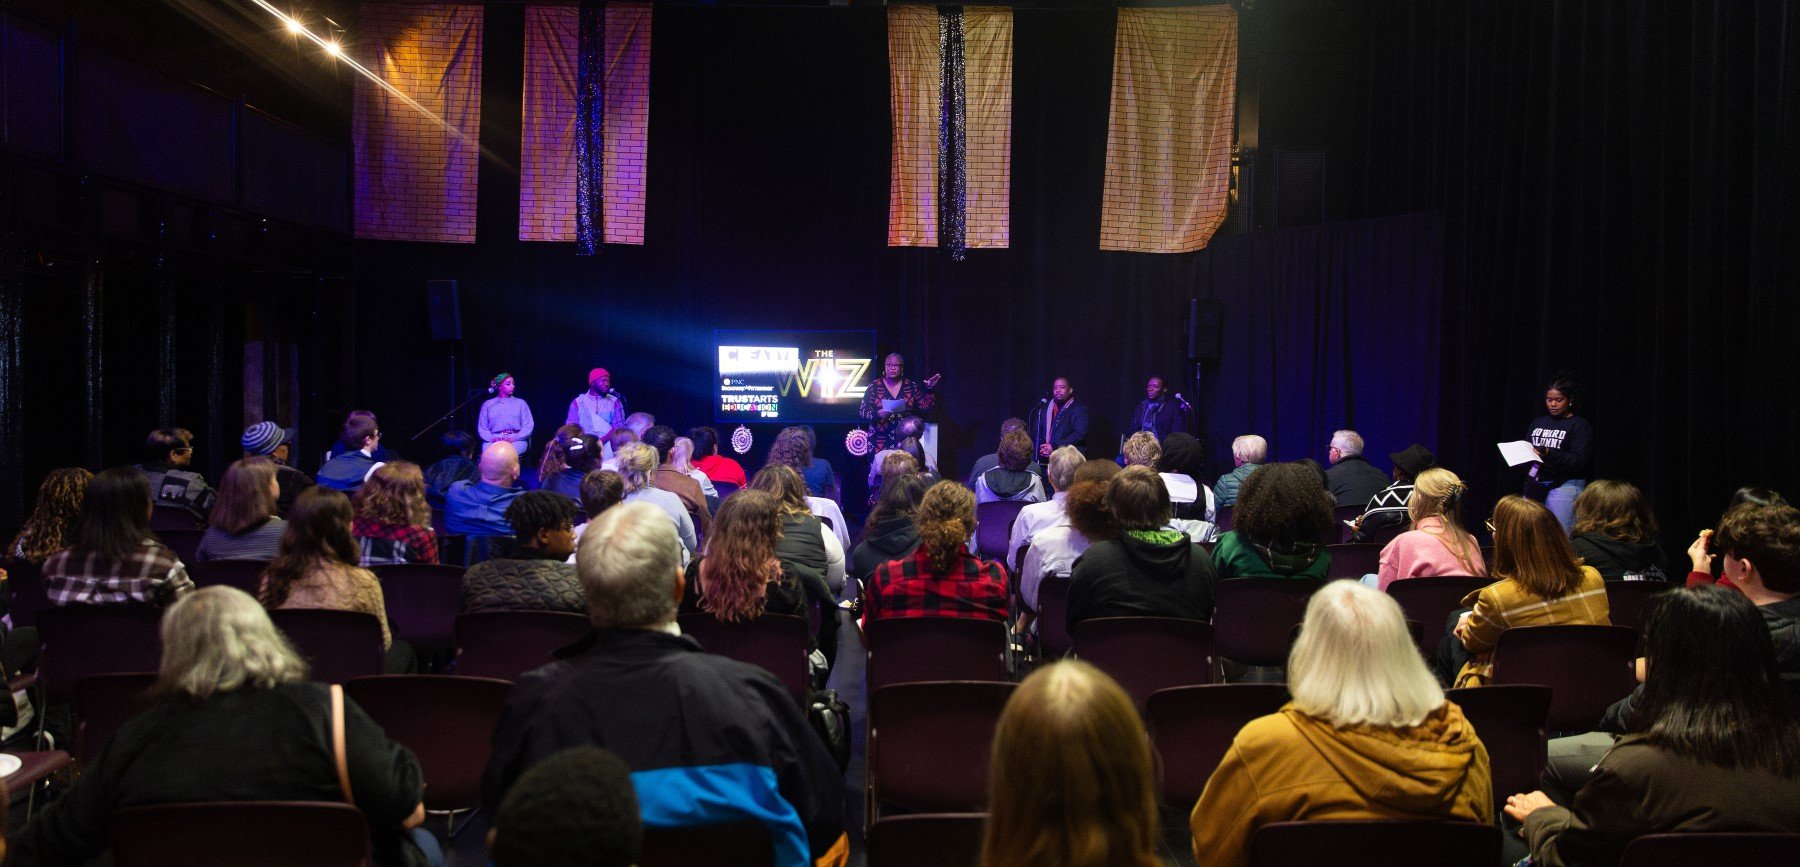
(950, 90)
(416, 148)
(549, 186)
(590, 127)
(1168, 141)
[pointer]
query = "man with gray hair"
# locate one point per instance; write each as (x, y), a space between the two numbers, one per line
(1037, 516)
(1248, 452)
(708, 739)
(1352, 479)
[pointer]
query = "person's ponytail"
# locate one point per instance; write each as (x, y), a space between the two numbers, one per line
(946, 519)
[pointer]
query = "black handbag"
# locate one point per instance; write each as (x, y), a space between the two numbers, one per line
(830, 717)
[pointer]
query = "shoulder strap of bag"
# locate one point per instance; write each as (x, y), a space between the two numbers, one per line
(338, 753)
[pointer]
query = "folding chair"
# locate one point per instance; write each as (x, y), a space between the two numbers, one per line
(241, 833)
(779, 643)
(1586, 667)
(506, 644)
(339, 646)
(914, 649)
(1192, 728)
(1375, 844)
(1146, 654)
(929, 744)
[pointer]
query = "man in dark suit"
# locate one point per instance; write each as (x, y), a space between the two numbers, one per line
(1353, 480)
(1061, 422)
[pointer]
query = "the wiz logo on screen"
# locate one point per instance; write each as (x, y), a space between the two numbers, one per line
(835, 378)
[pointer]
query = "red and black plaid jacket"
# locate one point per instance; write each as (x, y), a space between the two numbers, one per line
(972, 587)
(390, 544)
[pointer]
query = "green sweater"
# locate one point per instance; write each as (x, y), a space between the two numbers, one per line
(1236, 557)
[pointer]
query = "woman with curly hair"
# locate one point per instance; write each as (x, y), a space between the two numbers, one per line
(243, 522)
(393, 520)
(1282, 512)
(52, 520)
(793, 448)
(806, 545)
(317, 566)
(941, 578)
(1615, 532)
(740, 578)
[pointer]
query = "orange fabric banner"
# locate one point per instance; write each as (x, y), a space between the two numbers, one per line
(1168, 142)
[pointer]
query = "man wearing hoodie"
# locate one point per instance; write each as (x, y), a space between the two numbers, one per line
(1148, 571)
(1368, 735)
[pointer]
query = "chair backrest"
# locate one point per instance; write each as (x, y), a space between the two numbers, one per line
(1053, 635)
(1430, 601)
(1586, 667)
(779, 643)
(1384, 534)
(423, 600)
(1735, 848)
(447, 722)
(479, 549)
(165, 518)
(928, 744)
(993, 527)
(1629, 602)
(1223, 516)
(943, 839)
(1255, 616)
(103, 702)
(259, 833)
(506, 644)
(245, 575)
(133, 643)
(1353, 560)
(338, 645)
(725, 489)
(1192, 728)
(731, 844)
(914, 649)
(1370, 843)
(1513, 722)
(1145, 654)
(184, 541)
(452, 547)
(1340, 533)
(28, 598)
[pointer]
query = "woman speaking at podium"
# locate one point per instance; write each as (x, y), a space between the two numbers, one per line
(894, 397)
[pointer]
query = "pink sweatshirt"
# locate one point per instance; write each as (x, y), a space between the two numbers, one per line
(1424, 552)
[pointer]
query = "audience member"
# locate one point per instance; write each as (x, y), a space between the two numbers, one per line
(478, 507)
(53, 517)
(1247, 453)
(891, 532)
(1182, 465)
(1367, 735)
(268, 439)
(793, 448)
(317, 565)
(112, 558)
(638, 422)
(667, 477)
(243, 524)
(180, 494)
(568, 458)
(504, 418)
(393, 520)
(907, 446)
(1087, 519)
(1281, 514)
(453, 468)
(1072, 781)
(1713, 748)
(234, 718)
(1615, 532)
(684, 720)
(1146, 571)
(534, 574)
(707, 459)
(1141, 449)
(599, 409)
(740, 578)
(941, 578)
(1708, 569)
(618, 439)
(806, 545)
(360, 456)
(1390, 507)
(574, 809)
(600, 490)
(360, 420)
(681, 459)
(1437, 544)
(1037, 516)
(637, 470)
(989, 461)
(1538, 581)
(1352, 479)
(1011, 480)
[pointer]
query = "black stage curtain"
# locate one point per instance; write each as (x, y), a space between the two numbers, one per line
(1619, 187)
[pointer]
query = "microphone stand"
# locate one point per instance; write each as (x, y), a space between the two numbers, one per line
(473, 393)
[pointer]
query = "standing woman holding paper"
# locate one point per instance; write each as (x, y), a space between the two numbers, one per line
(1563, 442)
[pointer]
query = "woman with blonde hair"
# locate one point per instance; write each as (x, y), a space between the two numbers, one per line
(393, 518)
(637, 469)
(231, 686)
(52, 521)
(1367, 735)
(941, 578)
(1437, 544)
(681, 457)
(1072, 780)
(1540, 582)
(740, 578)
(243, 521)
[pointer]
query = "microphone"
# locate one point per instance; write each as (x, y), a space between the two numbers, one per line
(1043, 400)
(1182, 400)
(615, 394)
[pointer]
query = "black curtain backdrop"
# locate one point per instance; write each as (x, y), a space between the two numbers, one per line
(1619, 185)
(1327, 327)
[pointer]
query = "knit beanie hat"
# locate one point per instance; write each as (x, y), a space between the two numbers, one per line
(263, 438)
